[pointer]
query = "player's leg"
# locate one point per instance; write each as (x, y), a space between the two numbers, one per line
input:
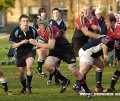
(57, 82)
(115, 78)
(4, 83)
(20, 63)
(22, 78)
(79, 75)
(49, 82)
(84, 68)
(42, 54)
(50, 64)
(29, 62)
(85, 62)
(116, 74)
(99, 71)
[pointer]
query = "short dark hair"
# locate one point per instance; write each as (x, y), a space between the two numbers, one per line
(111, 17)
(41, 10)
(23, 16)
(55, 9)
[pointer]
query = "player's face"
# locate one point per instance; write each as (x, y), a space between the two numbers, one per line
(87, 11)
(56, 14)
(43, 14)
(109, 24)
(42, 27)
(117, 18)
(24, 22)
(98, 15)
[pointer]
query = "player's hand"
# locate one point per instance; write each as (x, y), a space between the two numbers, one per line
(94, 27)
(41, 41)
(116, 45)
(106, 58)
(32, 41)
(24, 41)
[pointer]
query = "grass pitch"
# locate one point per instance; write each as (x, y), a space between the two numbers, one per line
(42, 92)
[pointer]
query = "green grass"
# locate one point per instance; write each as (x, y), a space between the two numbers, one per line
(42, 92)
(4, 31)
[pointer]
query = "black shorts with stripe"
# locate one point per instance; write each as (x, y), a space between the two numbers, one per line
(66, 54)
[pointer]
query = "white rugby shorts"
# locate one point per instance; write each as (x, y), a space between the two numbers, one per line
(85, 56)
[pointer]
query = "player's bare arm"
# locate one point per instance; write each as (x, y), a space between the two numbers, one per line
(95, 27)
(49, 45)
(105, 52)
(89, 33)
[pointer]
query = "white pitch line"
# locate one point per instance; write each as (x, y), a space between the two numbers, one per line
(4, 36)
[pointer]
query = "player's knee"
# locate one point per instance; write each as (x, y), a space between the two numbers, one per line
(49, 64)
(21, 75)
(100, 67)
(75, 73)
(73, 69)
(72, 66)
(83, 72)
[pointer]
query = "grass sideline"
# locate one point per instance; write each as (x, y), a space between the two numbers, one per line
(42, 92)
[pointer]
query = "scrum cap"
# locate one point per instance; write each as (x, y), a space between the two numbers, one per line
(42, 20)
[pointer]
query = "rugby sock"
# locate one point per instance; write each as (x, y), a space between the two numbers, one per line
(84, 85)
(29, 79)
(5, 87)
(50, 76)
(59, 75)
(115, 78)
(40, 63)
(4, 84)
(23, 82)
(98, 78)
(78, 86)
(56, 80)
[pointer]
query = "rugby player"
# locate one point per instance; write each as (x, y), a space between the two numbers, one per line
(25, 51)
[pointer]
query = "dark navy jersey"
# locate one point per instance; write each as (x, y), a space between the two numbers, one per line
(18, 35)
(94, 47)
(59, 24)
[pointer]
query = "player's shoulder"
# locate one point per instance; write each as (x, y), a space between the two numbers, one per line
(52, 28)
(51, 20)
(32, 28)
(16, 29)
(94, 17)
(35, 20)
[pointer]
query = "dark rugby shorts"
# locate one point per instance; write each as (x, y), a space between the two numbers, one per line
(117, 54)
(21, 61)
(66, 55)
(76, 47)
